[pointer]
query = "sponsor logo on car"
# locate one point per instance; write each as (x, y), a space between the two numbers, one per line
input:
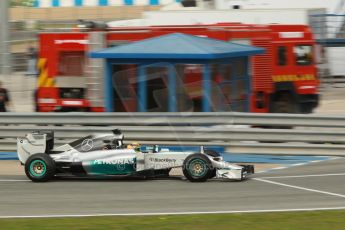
(165, 160)
(113, 162)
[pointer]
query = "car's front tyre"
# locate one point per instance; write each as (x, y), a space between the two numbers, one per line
(40, 167)
(197, 168)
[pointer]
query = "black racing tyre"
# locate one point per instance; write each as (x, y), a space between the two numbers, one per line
(40, 167)
(197, 168)
(215, 155)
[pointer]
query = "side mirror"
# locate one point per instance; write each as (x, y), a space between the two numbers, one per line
(155, 148)
(188, 3)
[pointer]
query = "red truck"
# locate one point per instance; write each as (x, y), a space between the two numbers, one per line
(284, 79)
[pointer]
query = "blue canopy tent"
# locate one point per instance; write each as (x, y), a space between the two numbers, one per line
(173, 49)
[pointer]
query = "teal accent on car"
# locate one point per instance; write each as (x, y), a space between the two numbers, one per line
(103, 167)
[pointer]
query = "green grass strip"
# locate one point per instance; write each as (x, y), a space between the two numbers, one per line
(278, 220)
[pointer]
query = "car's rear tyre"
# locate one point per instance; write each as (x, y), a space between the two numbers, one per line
(216, 157)
(197, 168)
(40, 167)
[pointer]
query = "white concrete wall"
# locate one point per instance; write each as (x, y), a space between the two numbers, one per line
(284, 16)
(336, 57)
(66, 3)
(330, 5)
(45, 3)
(90, 2)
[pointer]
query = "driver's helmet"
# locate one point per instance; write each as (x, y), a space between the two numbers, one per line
(134, 145)
(117, 143)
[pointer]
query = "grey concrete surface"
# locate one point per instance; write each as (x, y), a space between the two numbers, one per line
(332, 101)
(19, 197)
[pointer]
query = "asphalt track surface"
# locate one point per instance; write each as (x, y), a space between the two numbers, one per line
(318, 185)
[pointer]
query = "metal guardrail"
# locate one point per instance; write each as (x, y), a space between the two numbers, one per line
(19, 62)
(324, 135)
(333, 82)
(191, 134)
(173, 119)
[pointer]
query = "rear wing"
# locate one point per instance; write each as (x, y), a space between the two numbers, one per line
(34, 142)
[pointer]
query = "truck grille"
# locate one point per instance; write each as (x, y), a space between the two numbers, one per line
(72, 93)
(262, 66)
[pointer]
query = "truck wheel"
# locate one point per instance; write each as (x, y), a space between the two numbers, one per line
(285, 103)
(215, 155)
(197, 168)
(307, 108)
(40, 167)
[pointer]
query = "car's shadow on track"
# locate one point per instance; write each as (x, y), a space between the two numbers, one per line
(135, 179)
(112, 179)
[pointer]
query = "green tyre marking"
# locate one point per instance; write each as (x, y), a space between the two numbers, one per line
(35, 163)
(194, 166)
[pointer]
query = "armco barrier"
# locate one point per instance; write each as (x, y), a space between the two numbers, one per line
(195, 119)
(324, 135)
(191, 134)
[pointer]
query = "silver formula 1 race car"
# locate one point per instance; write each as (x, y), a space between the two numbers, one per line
(106, 155)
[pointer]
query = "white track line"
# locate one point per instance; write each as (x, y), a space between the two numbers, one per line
(317, 161)
(177, 213)
(304, 163)
(303, 176)
(301, 188)
(11, 180)
(297, 164)
(282, 167)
